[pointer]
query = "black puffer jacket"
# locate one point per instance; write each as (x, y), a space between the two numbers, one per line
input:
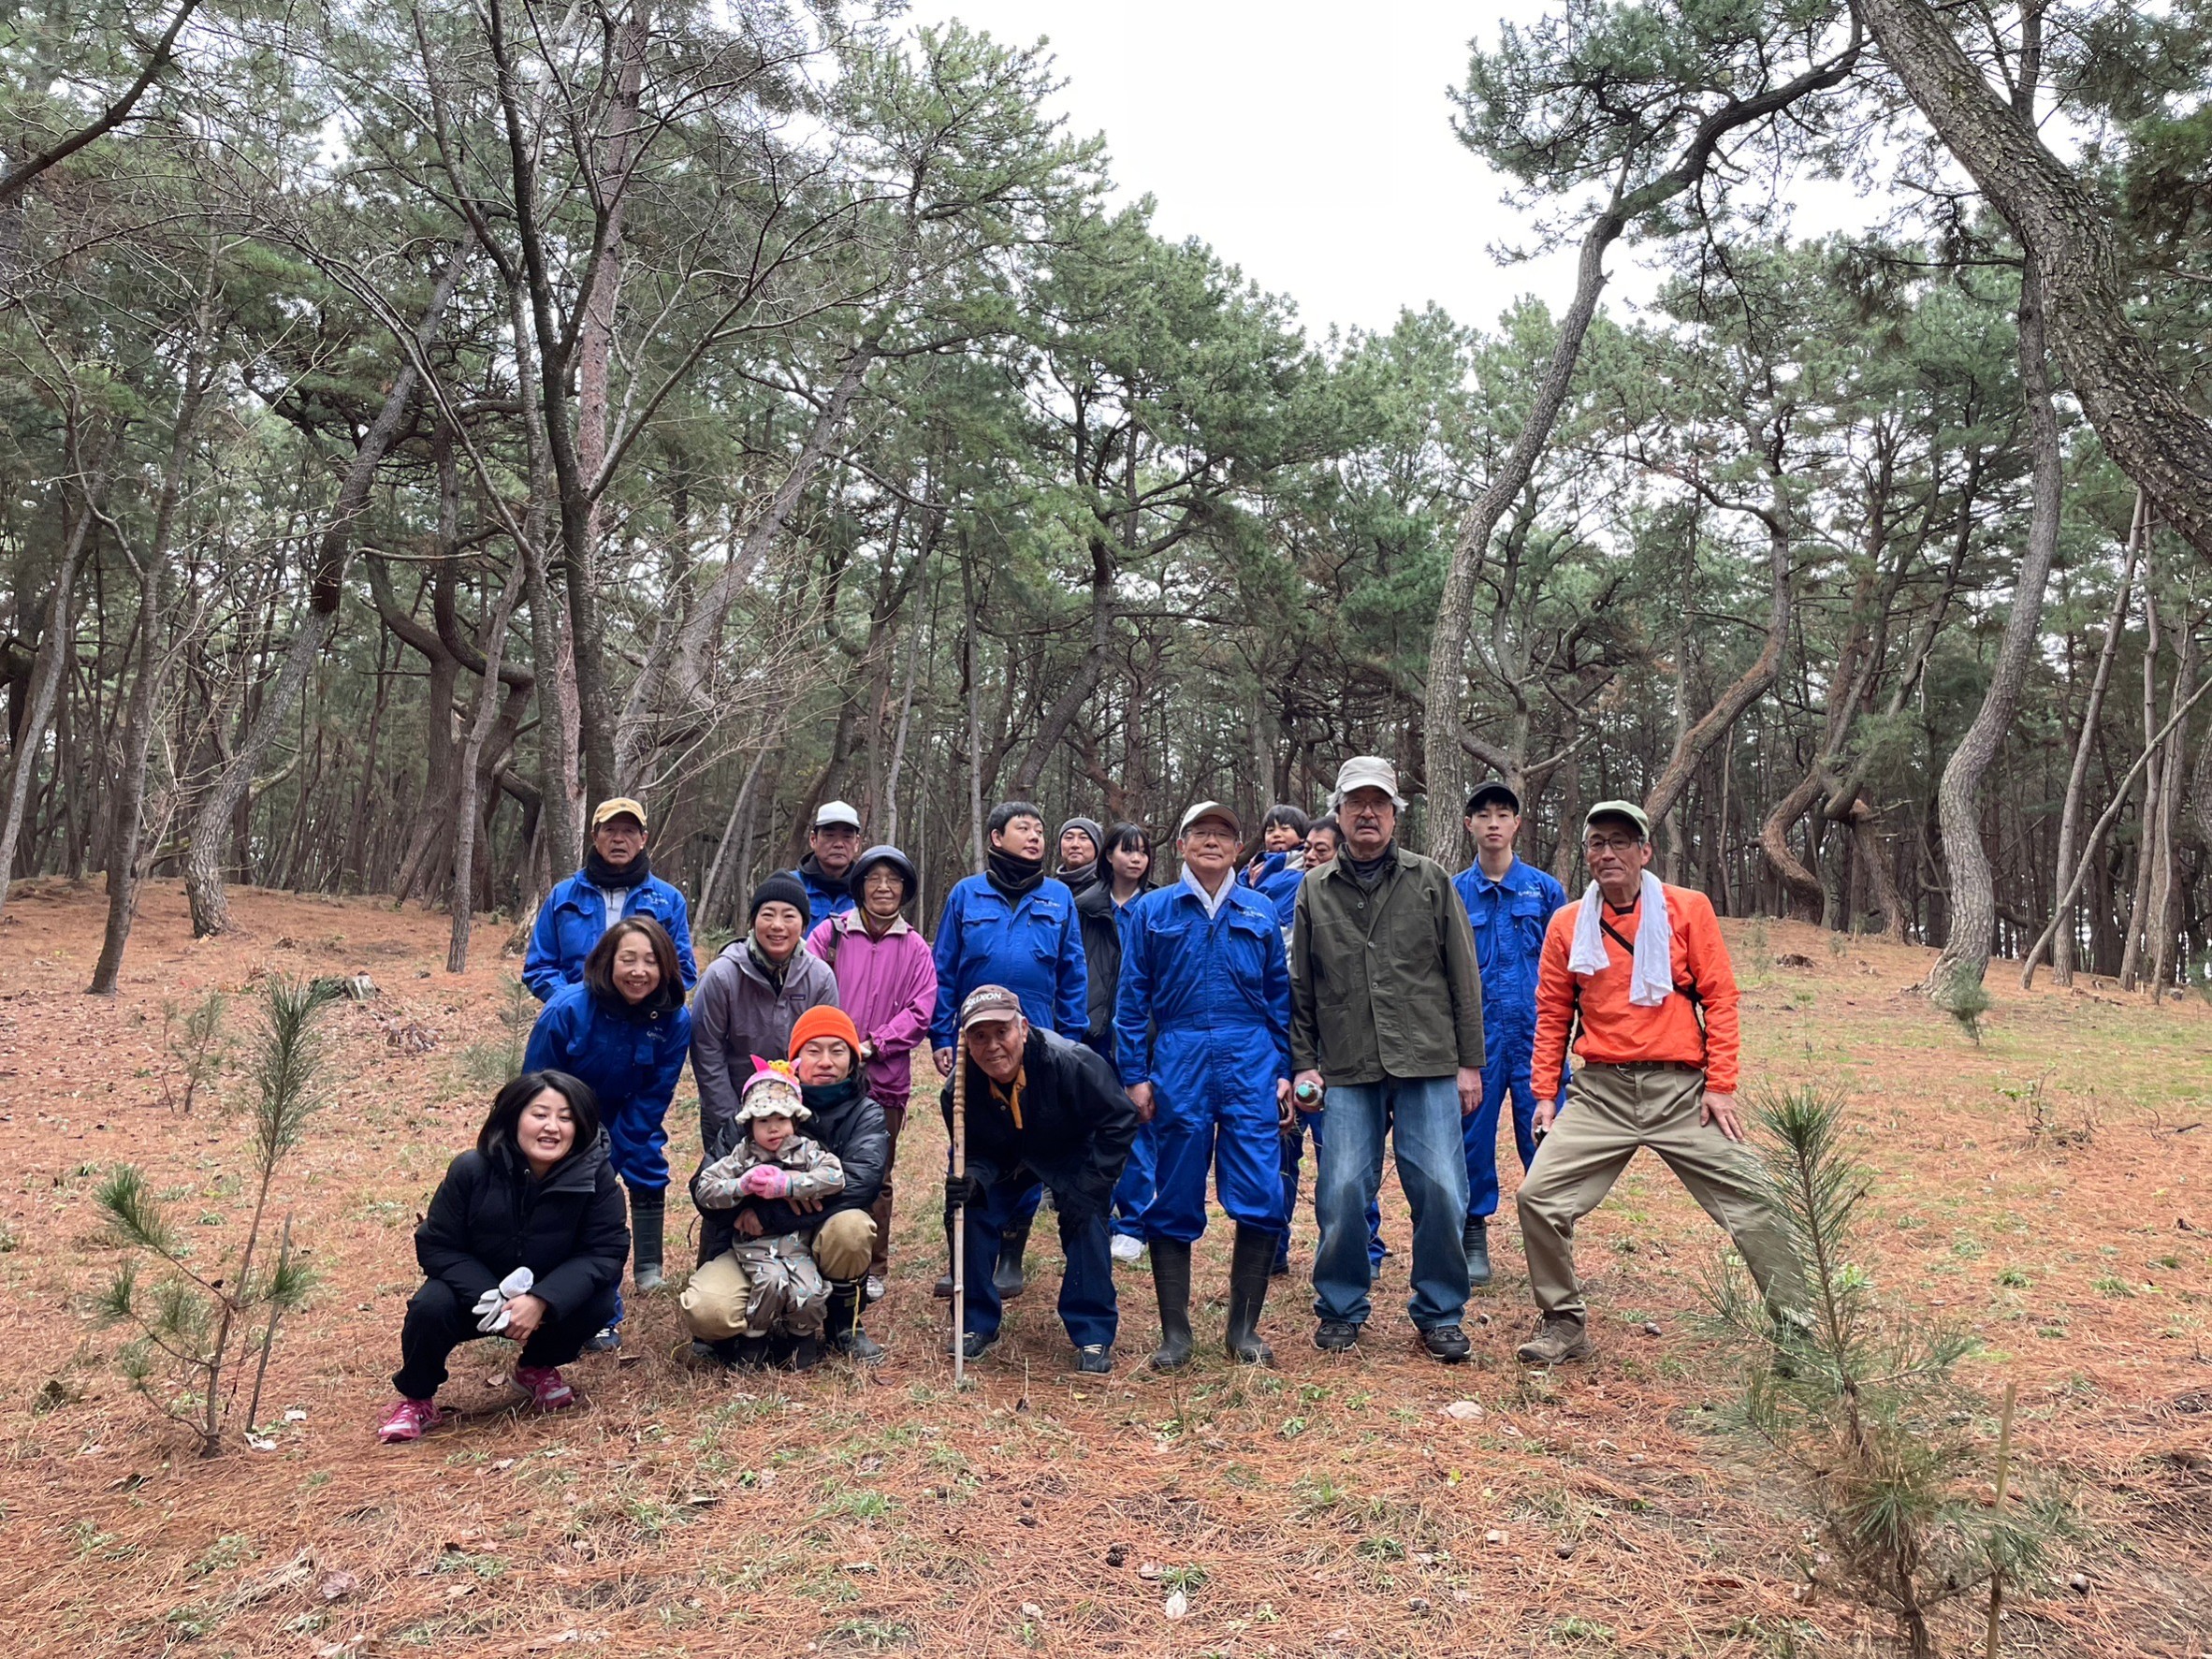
(848, 1123)
(1076, 1123)
(1101, 959)
(490, 1216)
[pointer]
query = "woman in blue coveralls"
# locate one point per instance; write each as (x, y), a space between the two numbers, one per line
(623, 1028)
(1202, 1036)
(1276, 872)
(1510, 905)
(1016, 927)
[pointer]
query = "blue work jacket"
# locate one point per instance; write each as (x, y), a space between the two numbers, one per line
(823, 900)
(1033, 948)
(1508, 916)
(632, 1062)
(1280, 874)
(572, 919)
(1214, 997)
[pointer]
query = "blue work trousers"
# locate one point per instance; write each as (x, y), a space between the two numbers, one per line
(638, 1143)
(1504, 1074)
(1422, 1116)
(1238, 1140)
(1087, 1307)
(1133, 1192)
(1293, 1156)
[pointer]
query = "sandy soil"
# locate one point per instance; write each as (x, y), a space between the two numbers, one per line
(1329, 1507)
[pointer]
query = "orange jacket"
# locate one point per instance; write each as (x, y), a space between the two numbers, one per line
(1615, 1031)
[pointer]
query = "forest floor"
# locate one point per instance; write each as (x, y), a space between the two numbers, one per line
(2051, 1187)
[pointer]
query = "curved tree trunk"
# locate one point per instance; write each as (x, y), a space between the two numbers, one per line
(203, 862)
(130, 805)
(2143, 415)
(48, 668)
(1972, 910)
(2069, 814)
(1444, 771)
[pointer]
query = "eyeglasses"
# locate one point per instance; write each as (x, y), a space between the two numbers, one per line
(1612, 844)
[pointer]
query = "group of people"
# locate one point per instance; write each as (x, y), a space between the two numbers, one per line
(1108, 1039)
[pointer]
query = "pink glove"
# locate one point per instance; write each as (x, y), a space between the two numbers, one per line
(764, 1180)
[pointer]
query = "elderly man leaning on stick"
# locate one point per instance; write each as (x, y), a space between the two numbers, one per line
(1040, 1112)
(1641, 964)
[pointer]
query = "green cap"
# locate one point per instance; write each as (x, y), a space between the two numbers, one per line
(1628, 809)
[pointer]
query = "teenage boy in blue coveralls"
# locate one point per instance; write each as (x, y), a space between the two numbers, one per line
(1509, 904)
(1202, 1036)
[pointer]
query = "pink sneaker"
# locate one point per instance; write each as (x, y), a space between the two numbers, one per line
(548, 1390)
(408, 1419)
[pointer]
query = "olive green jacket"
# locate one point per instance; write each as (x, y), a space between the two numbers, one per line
(1383, 984)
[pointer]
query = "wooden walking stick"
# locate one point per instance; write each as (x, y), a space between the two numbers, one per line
(959, 1210)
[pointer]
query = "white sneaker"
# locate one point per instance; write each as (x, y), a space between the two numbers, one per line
(1126, 1248)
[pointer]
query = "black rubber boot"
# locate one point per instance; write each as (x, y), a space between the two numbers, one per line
(942, 1290)
(1249, 1270)
(845, 1335)
(1475, 1238)
(1013, 1245)
(804, 1354)
(648, 1211)
(1171, 1283)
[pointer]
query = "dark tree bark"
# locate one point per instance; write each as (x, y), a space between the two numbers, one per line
(2143, 415)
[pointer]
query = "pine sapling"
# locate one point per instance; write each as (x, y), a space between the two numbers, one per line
(1861, 1406)
(195, 1326)
(196, 1041)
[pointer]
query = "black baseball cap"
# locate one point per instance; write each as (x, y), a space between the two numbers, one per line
(1495, 790)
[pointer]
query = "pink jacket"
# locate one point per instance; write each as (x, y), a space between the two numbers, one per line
(889, 987)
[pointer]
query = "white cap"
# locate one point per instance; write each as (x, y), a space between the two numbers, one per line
(835, 812)
(1366, 771)
(1211, 809)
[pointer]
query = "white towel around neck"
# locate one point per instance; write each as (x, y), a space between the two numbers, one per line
(1651, 980)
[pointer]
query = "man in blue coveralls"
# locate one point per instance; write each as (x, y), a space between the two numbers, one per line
(1202, 1036)
(1508, 904)
(616, 884)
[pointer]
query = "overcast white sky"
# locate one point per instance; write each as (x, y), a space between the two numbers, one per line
(1310, 143)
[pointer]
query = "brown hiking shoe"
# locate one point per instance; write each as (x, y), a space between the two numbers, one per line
(1560, 1337)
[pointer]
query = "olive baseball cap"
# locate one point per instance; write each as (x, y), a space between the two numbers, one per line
(1628, 809)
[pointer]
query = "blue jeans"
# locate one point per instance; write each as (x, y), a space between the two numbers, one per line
(1134, 1190)
(1504, 1074)
(1087, 1308)
(1422, 1116)
(1293, 1154)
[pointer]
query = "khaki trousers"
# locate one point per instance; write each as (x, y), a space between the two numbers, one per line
(1610, 1112)
(714, 1298)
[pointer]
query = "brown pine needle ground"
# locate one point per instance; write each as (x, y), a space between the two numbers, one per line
(2050, 1187)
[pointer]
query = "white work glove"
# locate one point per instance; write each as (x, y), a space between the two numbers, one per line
(491, 1307)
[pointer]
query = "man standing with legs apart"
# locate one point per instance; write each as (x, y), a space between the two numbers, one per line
(1641, 964)
(1387, 1017)
(1043, 1111)
(1508, 905)
(1202, 1028)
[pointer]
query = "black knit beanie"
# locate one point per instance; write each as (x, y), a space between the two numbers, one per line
(783, 888)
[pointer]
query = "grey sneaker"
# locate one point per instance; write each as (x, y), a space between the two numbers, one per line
(1096, 1359)
(1560, 1337)
(1333, 1336)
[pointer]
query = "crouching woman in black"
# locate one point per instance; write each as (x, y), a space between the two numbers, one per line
(525, 1239)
